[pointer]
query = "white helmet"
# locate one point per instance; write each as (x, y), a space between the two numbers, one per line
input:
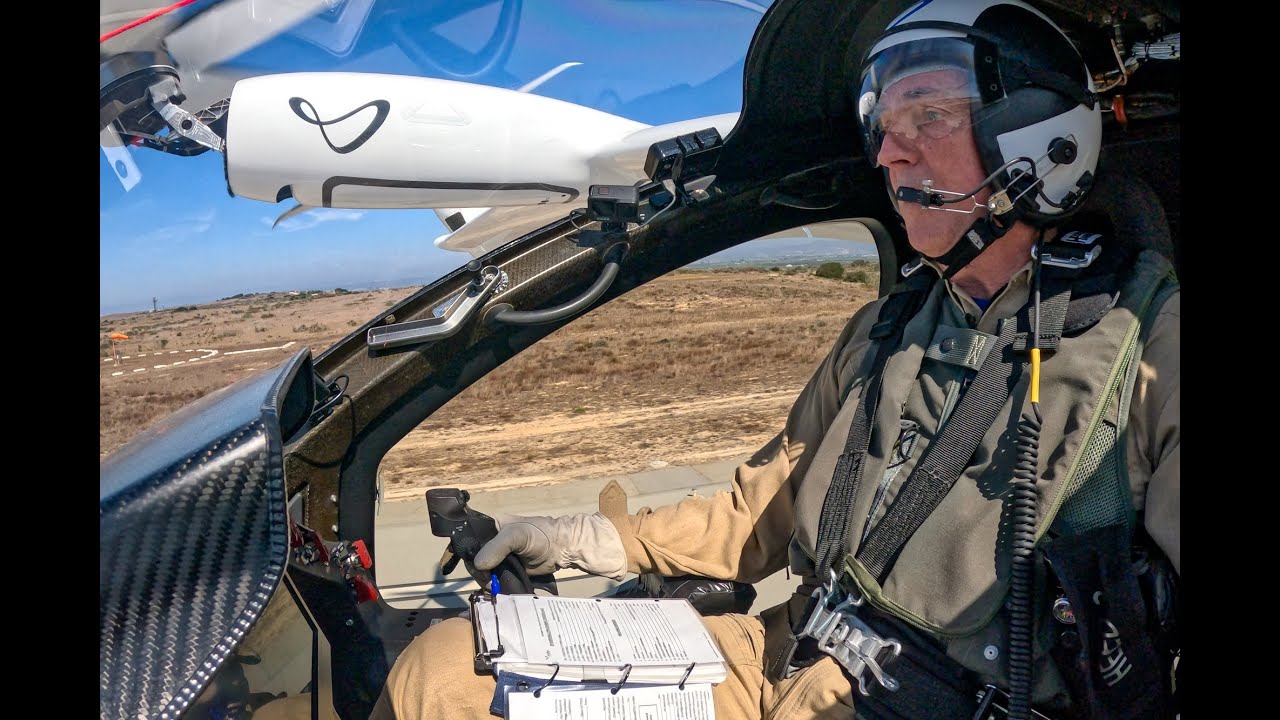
(1030, 97)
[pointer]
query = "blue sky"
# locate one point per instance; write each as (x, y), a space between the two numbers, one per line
(179, 237)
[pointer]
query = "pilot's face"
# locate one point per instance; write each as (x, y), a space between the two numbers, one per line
(928, 136)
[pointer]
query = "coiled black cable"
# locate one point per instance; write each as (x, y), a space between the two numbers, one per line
(1025, 498)
(1024, 505)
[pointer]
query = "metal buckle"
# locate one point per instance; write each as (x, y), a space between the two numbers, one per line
(993, 704)
(850, 641)
(1065, 256)
(909, 268)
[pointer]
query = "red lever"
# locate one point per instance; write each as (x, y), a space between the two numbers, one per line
(363, 552)
(365, 589)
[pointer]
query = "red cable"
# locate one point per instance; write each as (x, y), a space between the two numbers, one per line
(145, 18)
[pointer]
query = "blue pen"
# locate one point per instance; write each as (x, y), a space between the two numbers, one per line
(494, 586)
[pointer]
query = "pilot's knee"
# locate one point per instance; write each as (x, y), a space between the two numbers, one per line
(446, 643)
(291, 707)
(434, 676)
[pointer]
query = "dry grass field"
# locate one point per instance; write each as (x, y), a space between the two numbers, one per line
(696, 366)
(142, 393)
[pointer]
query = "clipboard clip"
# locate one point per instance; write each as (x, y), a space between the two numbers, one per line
(626, 672)
(484, 656)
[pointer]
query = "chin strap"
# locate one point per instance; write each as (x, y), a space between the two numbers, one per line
(1002, 214)
(978, 237)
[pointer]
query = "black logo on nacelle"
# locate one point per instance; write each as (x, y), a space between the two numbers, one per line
(381, 109)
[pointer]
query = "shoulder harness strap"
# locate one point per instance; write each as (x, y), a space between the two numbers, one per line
(896, 311)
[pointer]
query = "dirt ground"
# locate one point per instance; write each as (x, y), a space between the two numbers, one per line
(169, 359)
(694, 367)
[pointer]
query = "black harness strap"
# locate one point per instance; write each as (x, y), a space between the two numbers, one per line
(837, 506)
(950, 453)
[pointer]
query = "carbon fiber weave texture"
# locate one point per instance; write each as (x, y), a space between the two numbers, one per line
(188, 562)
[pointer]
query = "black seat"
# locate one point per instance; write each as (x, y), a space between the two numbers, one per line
(1137, 196)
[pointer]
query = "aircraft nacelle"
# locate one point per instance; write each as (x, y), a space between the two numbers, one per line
(354, 140)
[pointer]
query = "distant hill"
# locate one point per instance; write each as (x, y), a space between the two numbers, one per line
(789, 250)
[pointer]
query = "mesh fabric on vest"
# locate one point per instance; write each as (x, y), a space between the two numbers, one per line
(1099, 493)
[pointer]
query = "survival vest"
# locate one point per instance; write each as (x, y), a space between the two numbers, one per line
(925, 534)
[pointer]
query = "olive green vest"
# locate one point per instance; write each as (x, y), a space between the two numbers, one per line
(952, 575)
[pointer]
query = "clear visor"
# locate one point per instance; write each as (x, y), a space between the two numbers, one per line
(918, 91)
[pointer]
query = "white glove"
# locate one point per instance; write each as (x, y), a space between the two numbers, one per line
(545, 544)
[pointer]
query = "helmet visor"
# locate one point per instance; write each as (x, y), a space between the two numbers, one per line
(918, 91)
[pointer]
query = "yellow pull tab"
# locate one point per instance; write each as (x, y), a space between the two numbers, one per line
(1035, 375)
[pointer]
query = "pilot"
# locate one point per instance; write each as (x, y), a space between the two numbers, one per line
(980, 481)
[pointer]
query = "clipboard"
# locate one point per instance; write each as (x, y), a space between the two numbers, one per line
(516, 674)
(694, 655)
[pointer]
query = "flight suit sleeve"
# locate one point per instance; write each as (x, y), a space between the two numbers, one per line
(743, 534)
(1155, 434)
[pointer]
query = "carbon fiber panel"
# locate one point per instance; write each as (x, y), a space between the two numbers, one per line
(538, 261)
(167, 626)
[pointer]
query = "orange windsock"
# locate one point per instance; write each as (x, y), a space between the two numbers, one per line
(119, 336)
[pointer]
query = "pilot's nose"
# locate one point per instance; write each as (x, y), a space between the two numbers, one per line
(896, 149)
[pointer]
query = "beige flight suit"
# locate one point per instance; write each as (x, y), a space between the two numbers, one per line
(744, 534)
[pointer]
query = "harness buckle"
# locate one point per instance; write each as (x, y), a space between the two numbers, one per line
(909, 268)
(1074, 250)
(846, 638)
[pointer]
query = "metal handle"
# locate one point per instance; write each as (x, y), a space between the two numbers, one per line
(420, 331)
(504, 312)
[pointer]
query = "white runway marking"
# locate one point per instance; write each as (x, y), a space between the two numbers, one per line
(278, 347)
(209, 353)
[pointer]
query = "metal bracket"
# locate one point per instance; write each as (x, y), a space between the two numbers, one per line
(183, 122)
(1080, 259)
(993, 704)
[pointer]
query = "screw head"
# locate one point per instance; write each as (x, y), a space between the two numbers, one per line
(991, 652)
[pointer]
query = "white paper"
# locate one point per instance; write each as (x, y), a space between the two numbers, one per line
(501, 619)
(575, 631)
(638, 703)
(486, 616)
(654, 642)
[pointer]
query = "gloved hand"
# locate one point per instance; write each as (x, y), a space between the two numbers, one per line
(545, 544)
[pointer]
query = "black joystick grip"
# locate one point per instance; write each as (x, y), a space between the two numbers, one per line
(468, 531)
